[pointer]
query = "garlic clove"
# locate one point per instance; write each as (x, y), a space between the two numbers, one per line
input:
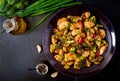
(53, 75)
(39, 48)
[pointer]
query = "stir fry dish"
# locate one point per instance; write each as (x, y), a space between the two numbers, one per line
(78, 41)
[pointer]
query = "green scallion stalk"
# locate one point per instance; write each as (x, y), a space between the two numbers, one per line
(53, 6)
(43, 5)
(35, 4)
(43, 11)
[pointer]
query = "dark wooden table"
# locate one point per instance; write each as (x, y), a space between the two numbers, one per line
(19, 53)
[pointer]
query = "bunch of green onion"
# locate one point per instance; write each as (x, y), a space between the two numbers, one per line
(44, 6)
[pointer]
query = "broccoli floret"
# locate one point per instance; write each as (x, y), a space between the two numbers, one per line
(6, 8)
(11, 2)
(2, 5)
(26, 3)
(9, 7)
(19, 5)
(10, 12)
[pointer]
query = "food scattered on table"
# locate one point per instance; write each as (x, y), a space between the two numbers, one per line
(78, 41)
(39, 48)
(53, 75)
(42, 69)
(15, 25)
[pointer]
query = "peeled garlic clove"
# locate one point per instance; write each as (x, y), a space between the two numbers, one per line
(39, 48)
(53, 75)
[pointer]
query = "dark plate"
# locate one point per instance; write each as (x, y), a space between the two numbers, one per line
(78, 10)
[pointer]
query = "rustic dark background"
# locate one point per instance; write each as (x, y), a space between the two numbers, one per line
(19, 53)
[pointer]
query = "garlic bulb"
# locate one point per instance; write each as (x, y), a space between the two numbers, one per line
(15, 25)
(9, 25)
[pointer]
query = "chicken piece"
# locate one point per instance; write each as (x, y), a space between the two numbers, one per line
(70, 57)
(63, 62)
(76, 39)
(96, 29)
(61, 52)
(98, 41)
(59, 58)
(62, 23)
(79, 52)
(76, 65)
(70, 62)
(87, 63)
(103, 49)
(66, 66)
(74, 18)
(75, 32)
(85, 53)
(78, 25)
(89, 24)
(102, 33)
(64, 49)
(52, 48)
(85, 15)
(53, 40)
(100, 58)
